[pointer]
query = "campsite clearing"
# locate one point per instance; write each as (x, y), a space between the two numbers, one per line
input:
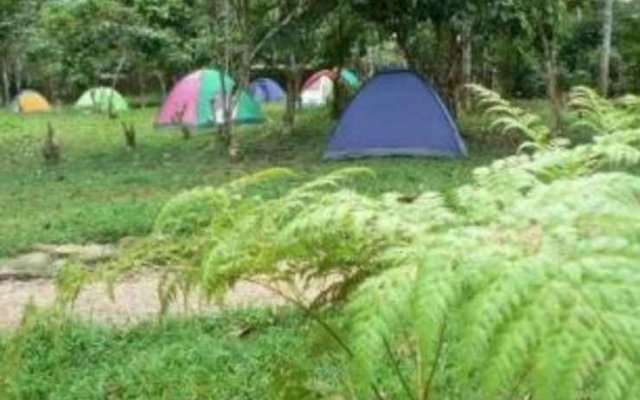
(102, 192)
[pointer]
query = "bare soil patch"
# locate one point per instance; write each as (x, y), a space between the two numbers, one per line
(26, 279)
(136, 300)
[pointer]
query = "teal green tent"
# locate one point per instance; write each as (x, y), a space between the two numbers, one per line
(102, 99)
(350, 78)
(197, 101)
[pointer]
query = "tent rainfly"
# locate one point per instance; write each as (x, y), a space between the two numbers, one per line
(396, 113)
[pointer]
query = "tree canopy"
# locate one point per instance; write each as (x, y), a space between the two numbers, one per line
(61, 47)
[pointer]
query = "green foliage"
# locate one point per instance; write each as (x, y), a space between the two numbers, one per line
(627, 59)
(209, 238)
(176, 359)
(530, 290)
(630, 102)
(521, 282)
(63, 47)
(508, 118)
(613, 133)
(538, 303)
(600, 116)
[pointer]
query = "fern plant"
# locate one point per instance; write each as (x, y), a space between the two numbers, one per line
(531, 291)
(598, 115)
(508, 118)
(630, 102)
(209, 238)
(541, 300)
(522, 283)
(317, 232)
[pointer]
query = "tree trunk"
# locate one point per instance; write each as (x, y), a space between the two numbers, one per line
(6, 84)
(225, 125)
(116, 76)
(17, 74)
(371, 65)
(485, 67)
(467, 67)
(450, 72)
(161, 82)
(340, 95)
(339, 89)
(142, 89)
(605, 56)
(243, 73)
(293, 87)
(553, 86)
(51, 89)
(494, 78)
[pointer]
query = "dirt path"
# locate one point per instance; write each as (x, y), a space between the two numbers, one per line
(136, 300)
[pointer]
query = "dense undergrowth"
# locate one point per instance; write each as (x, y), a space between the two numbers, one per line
(519, 283)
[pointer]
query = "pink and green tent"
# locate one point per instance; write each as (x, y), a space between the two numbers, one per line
(197, 102)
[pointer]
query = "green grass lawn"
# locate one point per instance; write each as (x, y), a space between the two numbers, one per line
(198, 358)
(102, 192)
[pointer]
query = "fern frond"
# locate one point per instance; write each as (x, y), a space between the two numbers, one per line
(630, 101)
(599, 116)
(536, 302)
(508, 118)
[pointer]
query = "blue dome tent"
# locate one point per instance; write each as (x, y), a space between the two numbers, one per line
(265, 90)
(396, 113)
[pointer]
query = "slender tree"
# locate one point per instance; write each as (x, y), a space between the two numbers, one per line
(247, 32)
(605, 52)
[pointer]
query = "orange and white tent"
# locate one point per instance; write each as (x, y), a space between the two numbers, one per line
(29, 101)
